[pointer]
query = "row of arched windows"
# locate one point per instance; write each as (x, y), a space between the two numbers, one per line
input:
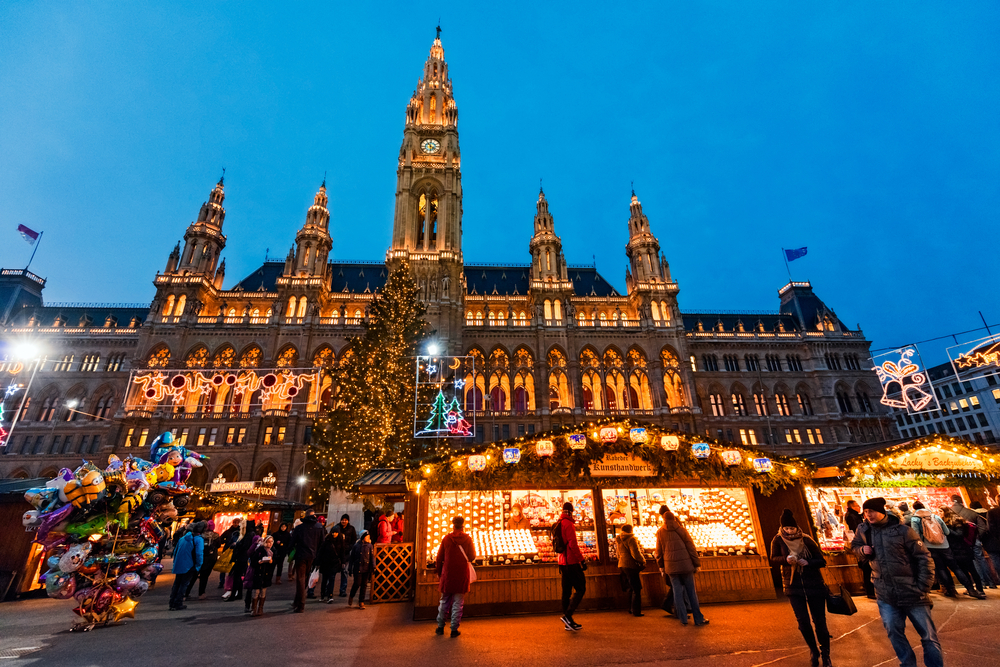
(758, 402)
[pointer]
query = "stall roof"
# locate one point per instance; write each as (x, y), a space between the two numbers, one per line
(382, 481)
(830, 462)
(17, 487)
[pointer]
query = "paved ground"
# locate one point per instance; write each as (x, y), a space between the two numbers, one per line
(34, 632)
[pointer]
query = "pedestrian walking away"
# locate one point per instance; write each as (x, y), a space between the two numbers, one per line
(187, 563)
(933, 531)
(262, 562)
(677, 557)
(282, 547)
(962, 539)
(902, 574)
(454, 555)
(362, 564)
(306, 540)
(572, 566)
(800, 559)
(631, 562)
(210, 555)
(329, 560)
(350, 535)
(241, 555)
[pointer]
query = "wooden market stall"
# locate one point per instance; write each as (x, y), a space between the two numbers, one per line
(394, 576)
(930, 469)
(614, 473)
(20, 559)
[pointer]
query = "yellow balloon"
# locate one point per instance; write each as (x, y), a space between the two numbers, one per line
(124, 609)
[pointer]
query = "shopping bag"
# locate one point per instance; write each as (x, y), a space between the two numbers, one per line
(841, 603)
(314, 578)
(472, 570)
(225, 562)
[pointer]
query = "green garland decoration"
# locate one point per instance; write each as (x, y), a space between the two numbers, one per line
(571, 468)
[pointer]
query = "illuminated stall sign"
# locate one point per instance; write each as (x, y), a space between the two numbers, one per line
(905, 384)
(621, 465)
(976, 358)
(454, 397)
(256, 488)
(936, 459)
(238, 389)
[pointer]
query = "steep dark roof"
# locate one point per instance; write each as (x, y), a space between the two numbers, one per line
(361, 277)
(749, 320)
(73, 315)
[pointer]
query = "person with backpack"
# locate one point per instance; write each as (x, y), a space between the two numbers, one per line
(187, 563)
(979, 521)
(677, 557)
(456, 552)
(800, 560)
(571, 565)
(210, 555)
(933, 532)
(902, 575)
(961, 537)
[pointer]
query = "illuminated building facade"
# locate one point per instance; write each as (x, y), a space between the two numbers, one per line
(555, 343)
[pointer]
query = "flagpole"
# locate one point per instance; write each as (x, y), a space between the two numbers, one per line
(784, 256)
(35, 250)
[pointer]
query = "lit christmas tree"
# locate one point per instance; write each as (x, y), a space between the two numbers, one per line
(371, 422)
(437, 423)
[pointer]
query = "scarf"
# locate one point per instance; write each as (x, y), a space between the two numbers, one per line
(792, 537)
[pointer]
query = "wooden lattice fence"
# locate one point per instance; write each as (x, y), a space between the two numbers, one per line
(393, 579)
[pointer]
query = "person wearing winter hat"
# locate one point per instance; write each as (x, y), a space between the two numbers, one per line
(902, 575)
(800, 560)
(934, 532)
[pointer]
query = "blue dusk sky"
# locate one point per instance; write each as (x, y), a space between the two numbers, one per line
(869, 132)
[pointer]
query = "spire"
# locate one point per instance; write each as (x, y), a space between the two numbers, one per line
(312, 243)
(432, 102)
(643, 249)
(203, 240)
(546, 248)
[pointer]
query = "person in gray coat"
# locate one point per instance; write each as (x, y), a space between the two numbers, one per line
(902, 575)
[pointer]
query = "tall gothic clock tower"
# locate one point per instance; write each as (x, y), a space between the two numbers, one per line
(427, 227)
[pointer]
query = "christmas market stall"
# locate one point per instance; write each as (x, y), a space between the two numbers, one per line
(614, 473)
(930, 469)
(225, 502)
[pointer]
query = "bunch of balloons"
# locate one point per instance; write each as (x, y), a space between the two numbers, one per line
(101, 529)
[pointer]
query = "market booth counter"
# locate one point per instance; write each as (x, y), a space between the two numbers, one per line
(930, 469)
(616, 473)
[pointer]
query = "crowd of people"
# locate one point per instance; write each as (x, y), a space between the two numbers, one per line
(249, 561)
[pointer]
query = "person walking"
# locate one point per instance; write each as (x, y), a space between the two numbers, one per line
(986, 570)
(933, 532)
(350, 537)
(452, 566)
(330, 553)
(306, 540)
(571, 567)
(241, 555)
(677, 557)
(979, 521)
(631, 562)
(800, 560)
(853, 518)
(187, 563)
(210, 554)
(991, 542)
(361, 567)
(262, 562)
(905, 512)
(282, 547)
(961, 538)
(248, 577)
(902, 573)
(228, 540)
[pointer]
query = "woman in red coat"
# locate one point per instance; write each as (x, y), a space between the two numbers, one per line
(452, 564)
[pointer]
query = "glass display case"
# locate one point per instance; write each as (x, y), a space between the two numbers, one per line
(510, 527)
(719, 520)
(828, 504)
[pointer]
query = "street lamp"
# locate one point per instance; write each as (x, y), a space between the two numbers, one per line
(433, 348)
(30, 351)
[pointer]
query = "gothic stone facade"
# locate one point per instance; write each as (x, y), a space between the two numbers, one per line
(554, 343)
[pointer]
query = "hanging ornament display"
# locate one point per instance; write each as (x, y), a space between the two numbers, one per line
(477, 462)
(511, 454)
(638, 435)
(671, 443)
(763, 465)
(609, 434)
(731, 457)
(701, 450)
(577, 441)
(545, 448)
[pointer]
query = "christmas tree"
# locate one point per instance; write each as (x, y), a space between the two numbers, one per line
(436, 423)
(371, 422)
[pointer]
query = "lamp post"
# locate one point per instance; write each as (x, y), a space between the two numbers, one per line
(26, 350)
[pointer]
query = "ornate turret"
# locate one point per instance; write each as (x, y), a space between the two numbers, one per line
(203, 240)
(313, 242)
(643, 249)
(547, 262)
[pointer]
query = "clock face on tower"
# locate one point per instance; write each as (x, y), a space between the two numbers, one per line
(430, 145)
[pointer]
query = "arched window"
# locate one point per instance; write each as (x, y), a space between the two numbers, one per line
(547, 307)
(656, 311)
(168, 307)
(610, 400)
(557, 307)
(739, 406)
(604, 317)
(498, 399)
(553, 397)
(303, 302)
(181, 303)
(665, 312)
(291, 307)
(548, 260)
(782, 401)
(358, 314)
(520, 400)
(804, 404)
(474, 399)
(633, 399)
(716, 401)
(588, 398)
(468, 317)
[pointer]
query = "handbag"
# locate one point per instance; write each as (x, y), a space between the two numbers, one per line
(623, 577)
(841, 603)
(472, 570)
(225, 561)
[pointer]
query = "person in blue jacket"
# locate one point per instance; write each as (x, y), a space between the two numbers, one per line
(187, 563)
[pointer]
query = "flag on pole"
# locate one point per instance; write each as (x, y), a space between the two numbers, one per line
(27, 234)
(792, 255)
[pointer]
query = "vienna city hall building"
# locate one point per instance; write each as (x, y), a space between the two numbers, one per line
(239, 372)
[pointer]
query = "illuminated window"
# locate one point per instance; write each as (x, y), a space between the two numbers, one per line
(760, 403)
(303, 302)
(201, 437)
(739, 406)
(211, 436)
(996, 395)
(229, 435)
(159, 358)
(694, 365)
(184, 437)
(974, 400)
(251, 358)
(782, 402)
(748, 436)
(281, 435)
(241, 435)
(142, 438)
(268, 434)
(289, 357)
(716, 401)
(788, 435)
(964, 403)
(128, 438)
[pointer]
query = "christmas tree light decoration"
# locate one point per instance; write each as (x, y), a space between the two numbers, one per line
(701, 450)
(477, 462)
(609, 434)
(638, 435)
(763, 465)
(731, 457)
(511, 454)
(671, 443)
(443, 417)
(545, 448)
(577, 441)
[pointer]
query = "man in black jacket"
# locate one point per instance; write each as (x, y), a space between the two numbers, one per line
(902, 574)
(350, 535)
(306, 540)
